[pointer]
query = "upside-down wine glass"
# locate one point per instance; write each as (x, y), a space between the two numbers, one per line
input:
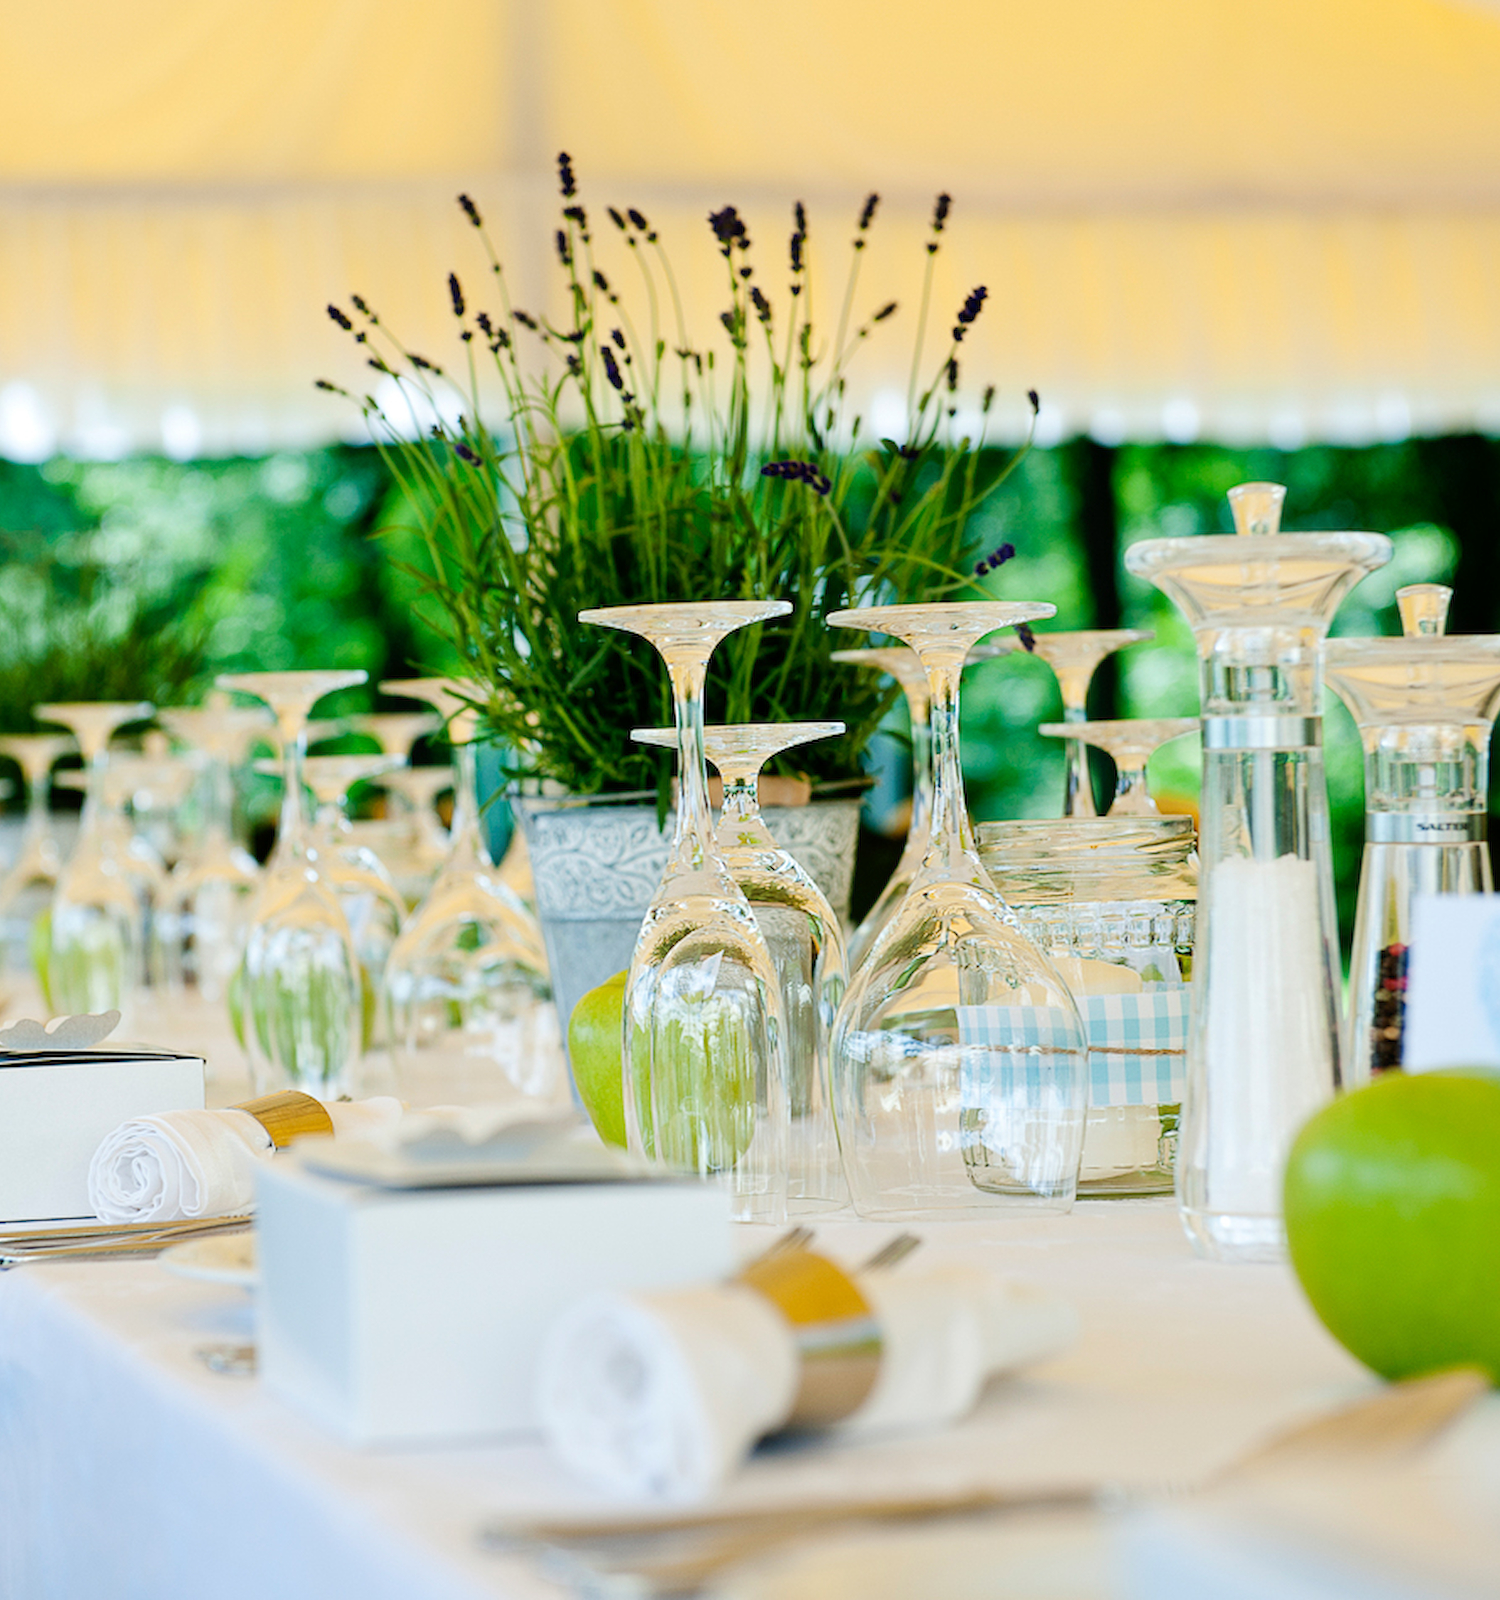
(100, 907)
(365, 888)
(392, 835)
(421, 842)
(704, 1031)
(466, 985)
(300, 983)
(1074, 658)
(900, 662)
(806, 943)
(1129, 742)
(958, 1060)
(29, 881)
(212, 884)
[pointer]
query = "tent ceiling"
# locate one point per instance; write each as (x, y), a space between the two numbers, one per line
(1276, 220)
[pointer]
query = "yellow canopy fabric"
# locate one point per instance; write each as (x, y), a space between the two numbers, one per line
(1251, 221)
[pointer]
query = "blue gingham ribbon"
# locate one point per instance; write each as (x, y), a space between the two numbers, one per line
(1137, 1042)
(1015, 1053)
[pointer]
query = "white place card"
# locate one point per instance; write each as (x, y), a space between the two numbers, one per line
(1453, 983)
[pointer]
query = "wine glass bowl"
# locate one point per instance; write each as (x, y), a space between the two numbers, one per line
(466, 984)
(804, 937)
(958, 1059)
(28, 882)
(211, 886)
(99, 953)
(300, 987)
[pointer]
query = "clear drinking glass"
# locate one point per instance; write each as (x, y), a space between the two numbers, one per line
(300, 987)
(806, 943)
(704, 1035)
(26, 889)
(212, 884)
(1425, 705)
(1074, 658)
(1129, 743)
(901, 663)
(1263, 1051)
(959, 1062)
(99, 943)
(466, 985)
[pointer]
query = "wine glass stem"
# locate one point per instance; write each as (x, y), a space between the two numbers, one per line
(921, 764)
(464, 839)
(36, 802)
(294, 749)
(93, 794)
(1078, 793)
(691, 845)
(1131, 793)
(741, 796)
(219, 823)
(951, 838)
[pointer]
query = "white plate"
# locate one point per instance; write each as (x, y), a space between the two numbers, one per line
(219, 1258)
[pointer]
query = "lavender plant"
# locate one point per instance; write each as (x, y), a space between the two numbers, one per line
(640, 462)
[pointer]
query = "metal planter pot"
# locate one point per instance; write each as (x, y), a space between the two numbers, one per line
(596, 867)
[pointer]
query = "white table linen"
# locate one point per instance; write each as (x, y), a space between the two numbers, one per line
(128, 1469)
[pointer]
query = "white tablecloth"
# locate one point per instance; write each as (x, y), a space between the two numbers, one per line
(128, 1469)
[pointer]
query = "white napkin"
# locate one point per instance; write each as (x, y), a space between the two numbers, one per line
(664, 1395)
(180, 1164)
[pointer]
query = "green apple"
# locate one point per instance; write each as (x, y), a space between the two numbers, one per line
(595, 1040)
(1393, 1220)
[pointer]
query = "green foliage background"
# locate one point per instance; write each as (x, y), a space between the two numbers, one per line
(146, 577)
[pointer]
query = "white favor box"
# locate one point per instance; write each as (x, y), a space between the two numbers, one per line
(54, 1112)
(396, 1315)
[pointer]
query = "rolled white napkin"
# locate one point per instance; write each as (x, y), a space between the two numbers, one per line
(664, 1395)
(183, 1164)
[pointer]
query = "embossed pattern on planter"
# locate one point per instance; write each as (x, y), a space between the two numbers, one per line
(596, 861)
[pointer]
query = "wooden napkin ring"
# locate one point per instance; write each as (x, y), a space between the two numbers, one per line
(288, 1115)
(838, 1337)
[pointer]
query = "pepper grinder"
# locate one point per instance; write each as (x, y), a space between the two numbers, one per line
(1424, 704)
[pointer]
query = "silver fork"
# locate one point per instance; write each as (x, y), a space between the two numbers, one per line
(104, 1240)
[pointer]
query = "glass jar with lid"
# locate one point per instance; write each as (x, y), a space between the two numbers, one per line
(1112, 900)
